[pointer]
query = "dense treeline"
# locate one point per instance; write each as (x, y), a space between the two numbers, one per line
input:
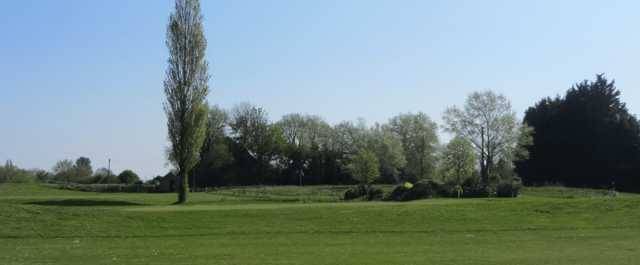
(586, 138)
(242, 148)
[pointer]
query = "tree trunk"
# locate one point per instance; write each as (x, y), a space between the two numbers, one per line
(183, 188)
(484, 173)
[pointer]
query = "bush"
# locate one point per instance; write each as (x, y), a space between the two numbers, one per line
(375, 194)
(448, 190)
(366, 192)
(354, 193)
(420, 190)
(509, 189)
(128, 177)
(480, 191)
(473, 188)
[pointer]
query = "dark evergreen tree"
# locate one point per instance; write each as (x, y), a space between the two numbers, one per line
(587, 138)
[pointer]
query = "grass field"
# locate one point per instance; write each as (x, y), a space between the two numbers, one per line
(310, 225)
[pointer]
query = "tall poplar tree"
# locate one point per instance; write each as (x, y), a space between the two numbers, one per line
(186, 88)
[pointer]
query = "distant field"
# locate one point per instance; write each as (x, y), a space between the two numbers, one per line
(311, 225)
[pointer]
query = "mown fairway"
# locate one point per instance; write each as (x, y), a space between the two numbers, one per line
(42, 225)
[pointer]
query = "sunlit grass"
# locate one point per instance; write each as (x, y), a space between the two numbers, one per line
(311, 225)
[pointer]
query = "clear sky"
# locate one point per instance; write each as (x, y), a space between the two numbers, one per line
(84, 78)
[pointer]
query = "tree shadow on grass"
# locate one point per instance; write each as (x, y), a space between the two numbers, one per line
(81, 202)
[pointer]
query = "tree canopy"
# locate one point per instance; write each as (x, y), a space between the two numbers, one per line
(489, 123)
(364, 167)
(586, 138)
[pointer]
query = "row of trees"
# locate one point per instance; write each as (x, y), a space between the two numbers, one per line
(586, 138)
(67, 171)
(11, 173)
(305, 149)
(82, 172)
(242, 147)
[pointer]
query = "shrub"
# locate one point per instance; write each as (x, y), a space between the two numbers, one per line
(128, 177)
(473, 188)
(354, 193)
(42, 176)
(509, 189)
(366, 192)
(420, 190)
(449, 189)
(375, 194)
(423, 190)
(479, 191)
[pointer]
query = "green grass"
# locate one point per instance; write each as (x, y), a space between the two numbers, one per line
(310, 225)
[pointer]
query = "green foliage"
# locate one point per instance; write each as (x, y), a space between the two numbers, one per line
(10, 173)
(365, 192)
(488, 122)
(364, 167)
(306, 140)
(42, 175)
(387, 147)
(420, 190)
(458, 160)
(83, 168)
(588, 137)
(215, 153)
(128, 177)
(251, 129)
(186, 88)
(418, 135)
(64, 171)
(509, 189)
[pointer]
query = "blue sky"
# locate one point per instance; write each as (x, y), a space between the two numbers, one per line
(84, 78)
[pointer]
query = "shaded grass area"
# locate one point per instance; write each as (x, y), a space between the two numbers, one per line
(265, 225)
(80, 202)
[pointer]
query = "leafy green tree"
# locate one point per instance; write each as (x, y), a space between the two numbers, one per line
(215, 152)
(128, 177)
(186, 88)
(364, 167)
(351, 137)
(251, 130)
(305, 137)
(458, 160)
(488, 122)
(418, 134)
(83, 167)
(387, 147)
(64, 170)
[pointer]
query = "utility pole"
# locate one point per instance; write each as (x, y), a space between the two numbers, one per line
(483, 167)
(109, 167)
